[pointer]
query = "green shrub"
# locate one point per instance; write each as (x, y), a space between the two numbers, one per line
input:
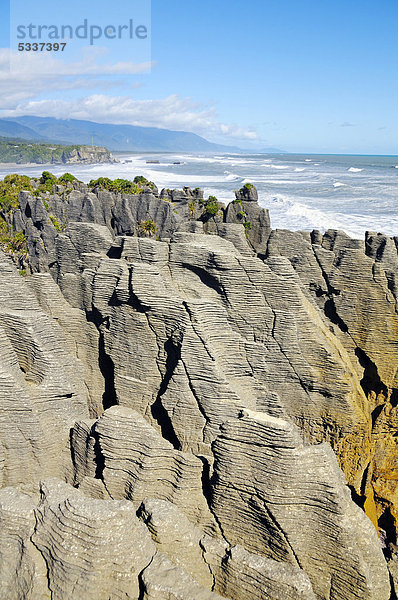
(67, 178)
(148, 227)
(9, 191)
(47, 177)
(47, 181)
(16, 244)
(102, 182)
(123, 186)
(192, 209)
(56, 223)
(143, 182)
(210, 206)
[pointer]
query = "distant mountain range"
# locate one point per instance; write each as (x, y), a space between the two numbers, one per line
(114, 137)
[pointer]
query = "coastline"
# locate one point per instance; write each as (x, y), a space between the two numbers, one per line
(302, 192)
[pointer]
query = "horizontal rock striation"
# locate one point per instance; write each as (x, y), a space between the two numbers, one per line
(194, 406)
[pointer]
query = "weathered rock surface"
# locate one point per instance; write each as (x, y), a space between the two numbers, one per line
(209, 379)
(23, 571)
(162, 580)
(354, 285)
(176, 537)
(245, 209)
(42, 392)
(238, 573)
(92, 548)
(299, 498)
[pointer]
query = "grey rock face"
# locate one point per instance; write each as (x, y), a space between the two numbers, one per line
(353, 283)
(153, 469)
(238, 573)
(177, 538)
(258, 227)
(185, 400)
(291, 512)
(162, 580)
(104, 546)
(42, 390)
(23, 573)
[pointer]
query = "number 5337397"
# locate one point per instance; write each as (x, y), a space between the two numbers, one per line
(41, 47)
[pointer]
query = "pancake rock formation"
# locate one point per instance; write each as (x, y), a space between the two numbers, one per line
(194, 406)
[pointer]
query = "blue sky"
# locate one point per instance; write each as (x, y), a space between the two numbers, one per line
(302, 76)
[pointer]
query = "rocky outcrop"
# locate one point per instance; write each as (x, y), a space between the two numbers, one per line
(246, 211)
(207, 410)
(353, 284)
(87, 154)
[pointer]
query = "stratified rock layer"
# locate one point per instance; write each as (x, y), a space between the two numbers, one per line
(174, 412)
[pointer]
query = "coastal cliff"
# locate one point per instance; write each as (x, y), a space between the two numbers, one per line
(193, 405)
(23, 152)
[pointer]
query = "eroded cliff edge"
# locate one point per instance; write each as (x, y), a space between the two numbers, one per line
(193, 405)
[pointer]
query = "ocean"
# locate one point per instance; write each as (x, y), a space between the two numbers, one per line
(302, 192)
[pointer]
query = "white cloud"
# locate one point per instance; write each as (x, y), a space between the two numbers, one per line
(32, 74)
(27, 75)
(172, 112)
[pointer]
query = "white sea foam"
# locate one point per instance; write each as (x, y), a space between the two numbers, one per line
(231, 176)
(299, 169)
(354, 170)
(308, 160)
(278, 167)
(338, 184)
(285, 213)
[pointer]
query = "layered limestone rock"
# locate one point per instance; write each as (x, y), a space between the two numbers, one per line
(23, 572)
(42, 389)
(176, 537)
(245, 210)
(298, 498)
(238, 573)
(354, 285)
(104, 546)
(162, 580)
(186, 396)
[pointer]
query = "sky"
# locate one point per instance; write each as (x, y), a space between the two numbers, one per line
(300, 76)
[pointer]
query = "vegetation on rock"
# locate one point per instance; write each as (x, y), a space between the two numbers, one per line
(211, 207)
(148, 227)
(192, 209)
(56, 223)
(9, 191)
(13, 244)
(123, 186)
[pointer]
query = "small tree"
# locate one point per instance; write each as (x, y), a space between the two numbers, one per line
(192, 209)
(148, 227)
(47, 177)
(67, 178)
(211, 207)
